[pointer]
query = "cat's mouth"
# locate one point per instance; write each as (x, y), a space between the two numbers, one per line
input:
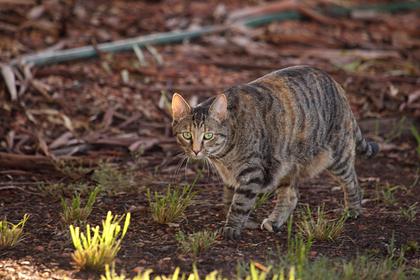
(198, 156)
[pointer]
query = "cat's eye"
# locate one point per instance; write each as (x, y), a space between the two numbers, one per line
(208, 136)
(187, 135)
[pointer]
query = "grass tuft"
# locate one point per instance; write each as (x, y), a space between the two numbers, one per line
(320, 228)
(409, 213)
(170, 207)
(386, 194)
(197, 242)
(262, 199)
(112, 180)
(73, 212)
(96, 248)
(11, 234)
(416, 135)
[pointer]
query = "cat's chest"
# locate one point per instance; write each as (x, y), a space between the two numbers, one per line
(225, 173)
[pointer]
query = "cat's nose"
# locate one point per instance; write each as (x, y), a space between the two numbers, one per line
(196, 152)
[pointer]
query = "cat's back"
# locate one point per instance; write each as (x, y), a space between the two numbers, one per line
(298, 89)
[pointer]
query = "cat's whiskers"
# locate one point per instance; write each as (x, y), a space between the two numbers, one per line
(180, 164)
(213, 168)
(207, 166)
(185, 168)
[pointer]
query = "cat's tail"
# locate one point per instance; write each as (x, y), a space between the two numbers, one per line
(364, 147)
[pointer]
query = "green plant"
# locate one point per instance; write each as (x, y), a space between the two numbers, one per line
(396, 130)
(72, 169)
(110, 273)
(359, 268)
(409, 213)
(96, 247)
(297, 249)
(364, 268)
(112, 180)
(73, 212)
(320, 228)
(416, 136)
(262, 199)
(387, 194)
(11, 234)
(56, 190)
(197, 242)
(170, 207)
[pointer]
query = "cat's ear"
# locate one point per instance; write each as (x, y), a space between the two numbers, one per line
(218, 108)
(180, 107)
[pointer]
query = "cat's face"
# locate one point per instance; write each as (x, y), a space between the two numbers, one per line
(200, 131)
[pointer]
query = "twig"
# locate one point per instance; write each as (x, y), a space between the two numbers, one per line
(155, 54)
(140, 55)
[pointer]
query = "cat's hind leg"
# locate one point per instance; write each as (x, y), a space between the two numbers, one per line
(343, 169)
(287, 198)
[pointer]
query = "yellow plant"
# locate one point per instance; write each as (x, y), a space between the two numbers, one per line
(11, 234)
(96, 248)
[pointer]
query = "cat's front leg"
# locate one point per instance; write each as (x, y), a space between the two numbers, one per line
(251, 182)
(240, 208)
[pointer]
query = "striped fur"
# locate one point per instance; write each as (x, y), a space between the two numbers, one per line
(268, 134)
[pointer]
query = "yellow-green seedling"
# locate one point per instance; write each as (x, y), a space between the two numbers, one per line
(197, 242)
(73, 212)
(11, 234)
(320, 227)
(170, 207)
(95, 248)
(111, 274)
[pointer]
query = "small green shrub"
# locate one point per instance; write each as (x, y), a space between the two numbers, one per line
(409, 213)
(197, 242)
(320, 228)
(96, 247)
(73, 212)
(56, 190)
(11, 234)
(112, 180)
(170, 207)
(386, 194)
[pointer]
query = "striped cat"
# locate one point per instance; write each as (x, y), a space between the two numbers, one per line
(269, 134)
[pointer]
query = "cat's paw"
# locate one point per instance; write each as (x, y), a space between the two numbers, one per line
(231, 233)
(269, 225)
(354, 212)
(251, 224)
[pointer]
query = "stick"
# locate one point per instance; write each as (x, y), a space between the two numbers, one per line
(34, 162)
(42, 58)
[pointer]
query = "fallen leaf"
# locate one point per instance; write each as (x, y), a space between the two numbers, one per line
(9, 78)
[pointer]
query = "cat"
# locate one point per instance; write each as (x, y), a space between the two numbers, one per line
(267, 135)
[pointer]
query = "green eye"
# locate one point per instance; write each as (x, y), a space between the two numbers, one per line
(208, 136)
(187, 135)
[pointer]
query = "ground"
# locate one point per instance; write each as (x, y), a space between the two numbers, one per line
(113, 109)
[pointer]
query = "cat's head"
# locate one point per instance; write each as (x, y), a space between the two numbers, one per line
(201, 131)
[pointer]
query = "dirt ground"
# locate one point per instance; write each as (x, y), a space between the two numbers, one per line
(113, 109)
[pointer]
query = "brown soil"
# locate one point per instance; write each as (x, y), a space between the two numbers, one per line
(103, 109)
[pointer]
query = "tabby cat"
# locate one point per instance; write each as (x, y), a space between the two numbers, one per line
(268, 134)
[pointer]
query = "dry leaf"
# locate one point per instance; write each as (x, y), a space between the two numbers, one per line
(9, 78)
